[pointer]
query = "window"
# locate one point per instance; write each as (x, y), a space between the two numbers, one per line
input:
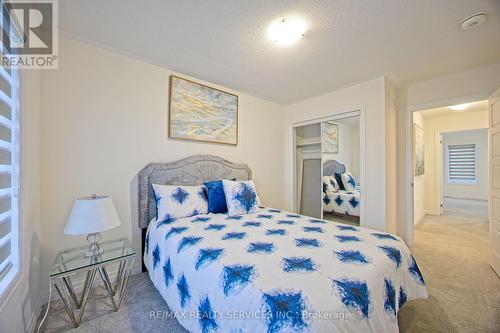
(9, 169)
(462, 164)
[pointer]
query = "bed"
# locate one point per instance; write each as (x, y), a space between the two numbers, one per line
(272, 270)
(340, 202)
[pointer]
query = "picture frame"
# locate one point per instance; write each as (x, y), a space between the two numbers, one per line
(418, 150)
(198, 112)
(329, 137)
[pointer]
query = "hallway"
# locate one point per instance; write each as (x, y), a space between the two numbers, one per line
(464, 291)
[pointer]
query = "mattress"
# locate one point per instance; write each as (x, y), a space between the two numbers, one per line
(274, 271)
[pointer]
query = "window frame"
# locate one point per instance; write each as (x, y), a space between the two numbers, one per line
(451, 181)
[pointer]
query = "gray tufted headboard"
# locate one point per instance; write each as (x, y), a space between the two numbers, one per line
(331, 167)
(193, 170)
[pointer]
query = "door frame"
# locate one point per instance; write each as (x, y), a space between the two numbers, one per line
(408, 115)
(362, 153)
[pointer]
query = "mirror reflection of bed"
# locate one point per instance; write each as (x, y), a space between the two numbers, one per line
(341, 194)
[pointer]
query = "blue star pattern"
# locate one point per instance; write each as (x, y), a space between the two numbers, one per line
(317, 221)
(207, 316)
(390, 297)
(272, 232)
(338, 200)
(272, 210)
(183, 289)
(345, 238)
(201, 219)
(146, 241)
(415, 271)
(241, 197)
(354, 203)
(215, 227)
(284, 310)
(167, 219)
(188, 242)
(352, 256)
(203, 195)
(380, 235)
(156, 256)
(175, 231)
(206, 256)
(234, 235)
(298, 264)
(293, 216)
(260, 247)
(168, 274)
(313, 229)
(180, 195)
(346, 227)
(392, 253)
(234, 278)
(307, 242)
(289, 222)
(264, 216)
(402, 297)
(252, 224)
(326, 199)
(354, 294)
(236, 217)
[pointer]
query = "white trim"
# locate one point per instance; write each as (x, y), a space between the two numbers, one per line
(4, 121)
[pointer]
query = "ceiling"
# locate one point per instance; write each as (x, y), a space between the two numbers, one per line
(347, 42)
(444, 111)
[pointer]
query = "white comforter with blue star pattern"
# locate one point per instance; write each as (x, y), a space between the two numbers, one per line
(273, 271)
(342, 202)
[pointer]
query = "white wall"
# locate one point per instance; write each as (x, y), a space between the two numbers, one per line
(478, 190)
(104, 117)
(369, 97)
(419, 181)
(471, 85)
(18, 308)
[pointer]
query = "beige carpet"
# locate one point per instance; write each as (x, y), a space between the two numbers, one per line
(452, 253)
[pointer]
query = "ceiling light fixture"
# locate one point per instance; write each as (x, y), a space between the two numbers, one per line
(460, 107)
(473, 21)
(286, 31)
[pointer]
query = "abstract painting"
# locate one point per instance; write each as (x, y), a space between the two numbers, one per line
(201, 113)
(329, 137)
(418, 150)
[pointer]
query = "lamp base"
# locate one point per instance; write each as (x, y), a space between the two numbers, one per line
(94, 249)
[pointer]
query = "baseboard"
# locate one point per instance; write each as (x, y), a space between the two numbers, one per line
(32, 324)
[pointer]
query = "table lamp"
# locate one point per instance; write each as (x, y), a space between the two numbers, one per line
(91, 215)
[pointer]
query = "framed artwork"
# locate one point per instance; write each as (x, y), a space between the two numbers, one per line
(329, 137)
(201, 113)
(418, 150)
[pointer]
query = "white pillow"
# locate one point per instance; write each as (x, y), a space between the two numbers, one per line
(241, 197)
(330, 184)
(179, 201)
(348, 181)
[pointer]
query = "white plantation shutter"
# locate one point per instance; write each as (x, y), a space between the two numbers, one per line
(462, 163)
(9, 169)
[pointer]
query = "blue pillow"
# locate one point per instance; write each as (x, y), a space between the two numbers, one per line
(216, 197)
(338, 177)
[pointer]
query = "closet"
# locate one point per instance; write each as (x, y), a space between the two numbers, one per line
(328, 153)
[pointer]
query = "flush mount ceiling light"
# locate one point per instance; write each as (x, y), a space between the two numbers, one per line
(286, 31)
(460, 107)
(473, 21)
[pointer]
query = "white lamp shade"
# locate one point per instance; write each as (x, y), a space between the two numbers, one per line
(92, 214)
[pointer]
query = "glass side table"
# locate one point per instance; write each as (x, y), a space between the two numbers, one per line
(69, 262)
